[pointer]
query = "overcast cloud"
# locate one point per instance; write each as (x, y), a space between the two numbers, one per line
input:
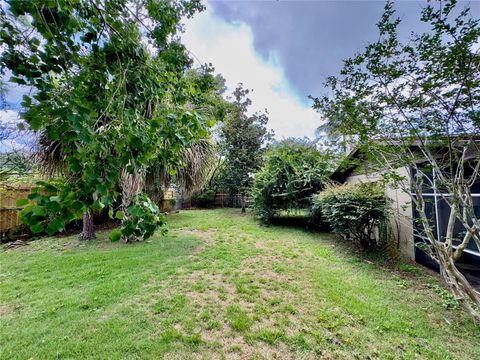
(230, 47)
(285, 49)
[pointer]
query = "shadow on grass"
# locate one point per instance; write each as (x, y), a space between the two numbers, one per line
(298, 221)
(377, 256)
(291, 221)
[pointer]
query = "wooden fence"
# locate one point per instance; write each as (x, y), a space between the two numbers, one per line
(225, 200)
(219, 200)
(8, 205)
(9, 218)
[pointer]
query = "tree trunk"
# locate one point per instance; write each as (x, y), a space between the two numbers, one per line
(88, 231)
(131, 185)
(459, 286)
(243, 202)
(461, 289)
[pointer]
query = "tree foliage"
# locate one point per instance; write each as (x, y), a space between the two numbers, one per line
(109, 90)
(242, 140)
(196, 161)
(293, 171)
(416, 105)
(142, 218)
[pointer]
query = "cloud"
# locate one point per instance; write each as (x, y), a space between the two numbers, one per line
(230, 47)
(11, 137)
(9, 116)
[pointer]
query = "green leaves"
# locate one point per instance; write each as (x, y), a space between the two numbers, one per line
(22, 202)
(102, 101)
(38, 210)
(293, 172)
(355, 210)
(115, 235)
(37, 228)
(50, 207)
(243, 139)
(142, 220)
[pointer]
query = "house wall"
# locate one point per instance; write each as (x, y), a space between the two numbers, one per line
(401, 222)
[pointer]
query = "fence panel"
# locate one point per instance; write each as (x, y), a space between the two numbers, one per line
(9, 195)
(225, 200)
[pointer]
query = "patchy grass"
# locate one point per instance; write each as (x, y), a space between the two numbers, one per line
(221, 286)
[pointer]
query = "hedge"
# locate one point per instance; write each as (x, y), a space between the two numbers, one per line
(358, 212)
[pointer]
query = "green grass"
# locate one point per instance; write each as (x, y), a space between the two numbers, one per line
(221, 286)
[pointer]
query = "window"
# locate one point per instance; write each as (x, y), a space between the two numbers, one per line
(438, 211)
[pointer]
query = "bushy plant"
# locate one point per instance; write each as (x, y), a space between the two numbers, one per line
(204, 198)
(316, 218)
(43, 212)
(359, 212)
(294, 170)
(141, 220)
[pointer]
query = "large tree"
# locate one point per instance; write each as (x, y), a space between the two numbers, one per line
(416, 105)
(243, 137)
(108, 89)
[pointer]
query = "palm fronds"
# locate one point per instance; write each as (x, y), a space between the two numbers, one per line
(196, 168)
(50, 157)
(192, 173)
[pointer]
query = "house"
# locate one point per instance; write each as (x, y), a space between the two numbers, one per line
(405, 230)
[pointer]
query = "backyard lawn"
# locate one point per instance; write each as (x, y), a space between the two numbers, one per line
(221, 286)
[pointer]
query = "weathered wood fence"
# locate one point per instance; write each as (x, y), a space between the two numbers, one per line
(9, 212)
(226, 200)
(219, 200)
(9, 195)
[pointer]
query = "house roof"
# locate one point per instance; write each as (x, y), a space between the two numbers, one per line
(346, 166)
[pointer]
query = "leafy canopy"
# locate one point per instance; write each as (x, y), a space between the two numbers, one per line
(108, 88)
(242, 140)
(402, 93)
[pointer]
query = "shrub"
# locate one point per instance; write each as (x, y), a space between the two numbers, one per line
(292, 173)
(316, 218)
(359, 212)
(204, 198)
(141, 220)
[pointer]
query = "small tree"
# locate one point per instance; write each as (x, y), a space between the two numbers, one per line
(242, 139)
(416, 105)
(294, 170)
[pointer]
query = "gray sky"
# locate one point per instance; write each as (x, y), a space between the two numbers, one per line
(311, 37)
(284, 50)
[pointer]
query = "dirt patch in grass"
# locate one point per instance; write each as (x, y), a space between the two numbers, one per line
(5, 310)
(207, 237)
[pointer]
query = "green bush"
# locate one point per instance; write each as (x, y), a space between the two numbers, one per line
(359, 212)
(49, 207)
(142, 219)
(203, 199)
(316, 218)
(292, 173)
